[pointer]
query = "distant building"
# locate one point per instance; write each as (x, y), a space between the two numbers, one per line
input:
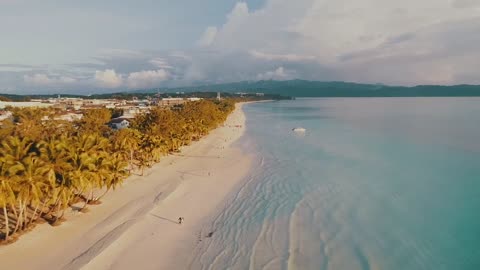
(69, 117)
(259, 94)
(4, 104)
(218, 96)
(119, 123)
(165, 102)
(5, 115)
(241, 94)
(130, 112)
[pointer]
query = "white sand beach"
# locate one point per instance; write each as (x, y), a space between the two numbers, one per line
(136, 226)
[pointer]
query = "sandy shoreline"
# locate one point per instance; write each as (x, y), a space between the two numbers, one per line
(135, 227)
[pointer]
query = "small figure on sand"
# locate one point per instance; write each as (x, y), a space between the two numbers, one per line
(180, 220)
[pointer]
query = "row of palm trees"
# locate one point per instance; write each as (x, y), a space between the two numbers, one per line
(48, 166)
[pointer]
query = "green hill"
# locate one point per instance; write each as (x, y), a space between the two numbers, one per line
(300, 88)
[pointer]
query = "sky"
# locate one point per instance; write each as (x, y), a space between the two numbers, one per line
(88, 46)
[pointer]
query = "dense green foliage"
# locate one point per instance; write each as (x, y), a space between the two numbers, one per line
(47, 165)
(7, 97)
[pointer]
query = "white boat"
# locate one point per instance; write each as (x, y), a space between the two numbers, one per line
(299, 129)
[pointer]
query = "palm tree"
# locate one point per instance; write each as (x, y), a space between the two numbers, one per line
(31, 177)
(84, 155)
(13, 149)
(55, 152)
(117, 172)
(7, 199)
(49, 164)
(125, 143)
(94, 121)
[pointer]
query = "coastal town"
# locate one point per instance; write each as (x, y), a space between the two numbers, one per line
(71, 109)
(124, 108)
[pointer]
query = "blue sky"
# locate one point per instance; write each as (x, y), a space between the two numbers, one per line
(104, 46)
(54, 32)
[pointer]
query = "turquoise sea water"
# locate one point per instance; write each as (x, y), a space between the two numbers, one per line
(376, 183)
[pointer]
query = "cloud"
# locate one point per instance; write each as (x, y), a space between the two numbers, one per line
(94, 66)
(466, 3)
(279, 74)
(208, 36)
(416, 42)
(160, 63)
(108, 78)
(45, 80)
(388, 41)
(124, 53)
(21, 67)
(281, 57)
(146, 78)
(38, 79)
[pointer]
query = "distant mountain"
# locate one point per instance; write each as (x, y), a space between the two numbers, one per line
(303, 88)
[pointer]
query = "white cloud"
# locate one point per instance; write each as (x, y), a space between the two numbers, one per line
(124, 53)
(146, 78)
(387, 41)
(181, 55)
(466, 3)
(418, 42)
(41, 79)
(160, 63)
(64, 79)
(208, 36)
(37, 79)
(281, 57)
(279, 74)
(108, 78)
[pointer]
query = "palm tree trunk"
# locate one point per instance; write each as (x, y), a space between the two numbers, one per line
(52, 209)
(86, 202)
(91, 195)
(34, 213)
(17, 217)
(63, 213)
(7, 229)
(131, 161)
(43, 207)
(23, 211)
(101, 196)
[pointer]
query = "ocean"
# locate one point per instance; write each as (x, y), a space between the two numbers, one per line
(374, 183)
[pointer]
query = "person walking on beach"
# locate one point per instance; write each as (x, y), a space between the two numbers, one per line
(180, 220)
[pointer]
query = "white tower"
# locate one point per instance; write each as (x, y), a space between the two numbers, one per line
(218, 96)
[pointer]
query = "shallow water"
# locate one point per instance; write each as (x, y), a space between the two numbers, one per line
(376, 183)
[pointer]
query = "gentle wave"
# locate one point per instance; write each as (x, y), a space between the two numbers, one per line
(352, 193)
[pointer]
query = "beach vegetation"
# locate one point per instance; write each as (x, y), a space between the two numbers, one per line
(48, 166)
